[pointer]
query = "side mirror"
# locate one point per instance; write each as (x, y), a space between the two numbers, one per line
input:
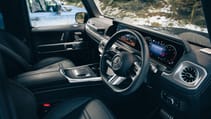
(58, 9)
(81, 17)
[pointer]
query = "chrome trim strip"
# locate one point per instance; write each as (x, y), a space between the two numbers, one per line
(71, 80)
(175, 76)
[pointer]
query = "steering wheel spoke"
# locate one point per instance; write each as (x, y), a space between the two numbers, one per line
(135, 70)
(138, 57)
(109, 56)
(116, 80)
(111, 53)
(108, 62)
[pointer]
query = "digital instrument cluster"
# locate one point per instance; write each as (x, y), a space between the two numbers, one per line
(166, 52)
(163, 51)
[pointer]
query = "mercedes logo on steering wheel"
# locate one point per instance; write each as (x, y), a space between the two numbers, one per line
(116, 64)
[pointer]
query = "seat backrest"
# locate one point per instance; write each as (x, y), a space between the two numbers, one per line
(17, 56)
(18, 102)
(22, 101)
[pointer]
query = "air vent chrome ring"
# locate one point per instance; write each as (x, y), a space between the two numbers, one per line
(189, 74)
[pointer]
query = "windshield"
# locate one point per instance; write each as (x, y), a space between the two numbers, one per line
(178, 17)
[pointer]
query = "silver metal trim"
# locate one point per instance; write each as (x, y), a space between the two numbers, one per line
(71, 80)
(116, 80)
(137, 70)
(176, 78)
(197, 75)
(206, 51)
(101, 46)
(62, 37)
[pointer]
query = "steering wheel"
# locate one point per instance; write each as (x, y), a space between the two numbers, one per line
(123, 70)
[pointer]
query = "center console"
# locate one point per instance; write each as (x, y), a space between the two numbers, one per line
(87, 73)
(58, 78)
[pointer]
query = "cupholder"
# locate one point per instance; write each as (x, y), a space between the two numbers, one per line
(82, 73)
(79, 73)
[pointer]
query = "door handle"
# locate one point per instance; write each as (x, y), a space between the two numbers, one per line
(62, 37)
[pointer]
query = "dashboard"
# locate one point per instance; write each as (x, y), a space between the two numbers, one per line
(169, 54)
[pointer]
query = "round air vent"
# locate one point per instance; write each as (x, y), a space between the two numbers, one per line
(189, 74)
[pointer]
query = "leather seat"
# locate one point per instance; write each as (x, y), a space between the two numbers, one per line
(80, 108)
(19, 103)
(18, 57)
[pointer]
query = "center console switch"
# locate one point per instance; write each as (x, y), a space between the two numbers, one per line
(173, 101)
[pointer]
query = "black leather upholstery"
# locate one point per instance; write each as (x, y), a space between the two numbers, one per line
(80, 108)
(22, 101)
(24, 105)
(53, 62)
(18, 57)
(17, 102)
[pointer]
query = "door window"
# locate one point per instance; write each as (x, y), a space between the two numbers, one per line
(44, 13)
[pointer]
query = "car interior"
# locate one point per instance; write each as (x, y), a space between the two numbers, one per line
(101, 68)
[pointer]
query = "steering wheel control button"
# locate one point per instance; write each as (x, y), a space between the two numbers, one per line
(135, 69)
(153, 68)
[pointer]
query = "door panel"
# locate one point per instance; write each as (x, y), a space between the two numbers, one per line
(69, 42)
(55, 31)
(58, 40)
